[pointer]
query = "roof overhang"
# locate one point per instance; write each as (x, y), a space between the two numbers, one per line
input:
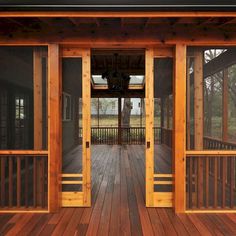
(119, 5)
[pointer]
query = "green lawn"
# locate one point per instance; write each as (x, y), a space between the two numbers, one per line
(112, 121)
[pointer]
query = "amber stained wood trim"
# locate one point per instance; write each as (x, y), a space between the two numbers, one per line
(86, 124)
(23, 153)
(179, 128)
(149, 100)
(54, 127)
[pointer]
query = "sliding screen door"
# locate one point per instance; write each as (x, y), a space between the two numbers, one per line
(75, 179)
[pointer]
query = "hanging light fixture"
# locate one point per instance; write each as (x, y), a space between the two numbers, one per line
(116, 80)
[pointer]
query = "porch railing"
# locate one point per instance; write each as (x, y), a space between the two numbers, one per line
(217, 144)
(214, 143)
(131, 135)
(211, 182)
(24, 182)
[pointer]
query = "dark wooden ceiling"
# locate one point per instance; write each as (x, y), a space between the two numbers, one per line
(34, 24)
(131, 62)
(133, 30)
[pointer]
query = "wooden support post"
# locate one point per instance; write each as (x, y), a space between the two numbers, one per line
(38, 123)
(119, 121)
(188, 105)
(38, 116)
(225, 106)
(198, 99)
(86, 124)
(198, 119)
(179, 127)
(149, 95)
(54, 127)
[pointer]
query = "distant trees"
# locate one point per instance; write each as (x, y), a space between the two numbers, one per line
(103, 105)
(213, 95)
(126, 112)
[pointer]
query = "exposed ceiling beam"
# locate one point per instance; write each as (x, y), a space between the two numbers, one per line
(203, 21)
(45, 21)
(122, 22)
(74, 21)
(110, 52)
(147, 21)
(228, 21)
(97, 22)
(15, 21)
(98, 93)
(132, 71)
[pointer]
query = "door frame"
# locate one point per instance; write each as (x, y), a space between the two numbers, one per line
(155, 199)
(80, 198)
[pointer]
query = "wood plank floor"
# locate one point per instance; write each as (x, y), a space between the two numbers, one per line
(118, 205)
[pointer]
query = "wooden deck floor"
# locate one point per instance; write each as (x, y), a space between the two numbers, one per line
(118, 206)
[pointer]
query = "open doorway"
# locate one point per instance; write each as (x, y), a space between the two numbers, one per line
(118, 85)
(117, 104)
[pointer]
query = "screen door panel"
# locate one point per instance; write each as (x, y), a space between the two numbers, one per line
(76, 139)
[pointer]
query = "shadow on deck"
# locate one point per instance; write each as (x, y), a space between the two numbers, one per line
(118, 203)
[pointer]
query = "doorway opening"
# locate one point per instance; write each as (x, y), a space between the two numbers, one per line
(117, 112)
(118, 92)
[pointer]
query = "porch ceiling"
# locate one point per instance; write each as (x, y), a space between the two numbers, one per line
(60, 23)
(121, 29)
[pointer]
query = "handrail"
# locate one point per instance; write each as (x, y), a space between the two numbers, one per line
(221, 141)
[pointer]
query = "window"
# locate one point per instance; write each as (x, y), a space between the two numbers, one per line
(66, 107)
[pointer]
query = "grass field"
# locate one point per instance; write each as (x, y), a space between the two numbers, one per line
(112, 121)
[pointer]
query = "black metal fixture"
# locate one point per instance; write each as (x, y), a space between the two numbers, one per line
(116, 80)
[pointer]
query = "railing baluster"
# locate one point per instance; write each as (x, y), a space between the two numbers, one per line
(200, 182)
(42, 181)
(232, 184)
(35, 182)
(26, 182)
(224, 174)
(18, 180)
(207, 181)
(3, 181)
(10, 186)
(190, 184)
(215, 182)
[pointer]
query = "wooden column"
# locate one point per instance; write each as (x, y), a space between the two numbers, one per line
(54, 127)
(38, 125)
(38, 112)
(86, 124)
(225, 106)
(149, 94)
(198, 99)
(198, 119)
(179, 127)
(119, 121)
(188, 105)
